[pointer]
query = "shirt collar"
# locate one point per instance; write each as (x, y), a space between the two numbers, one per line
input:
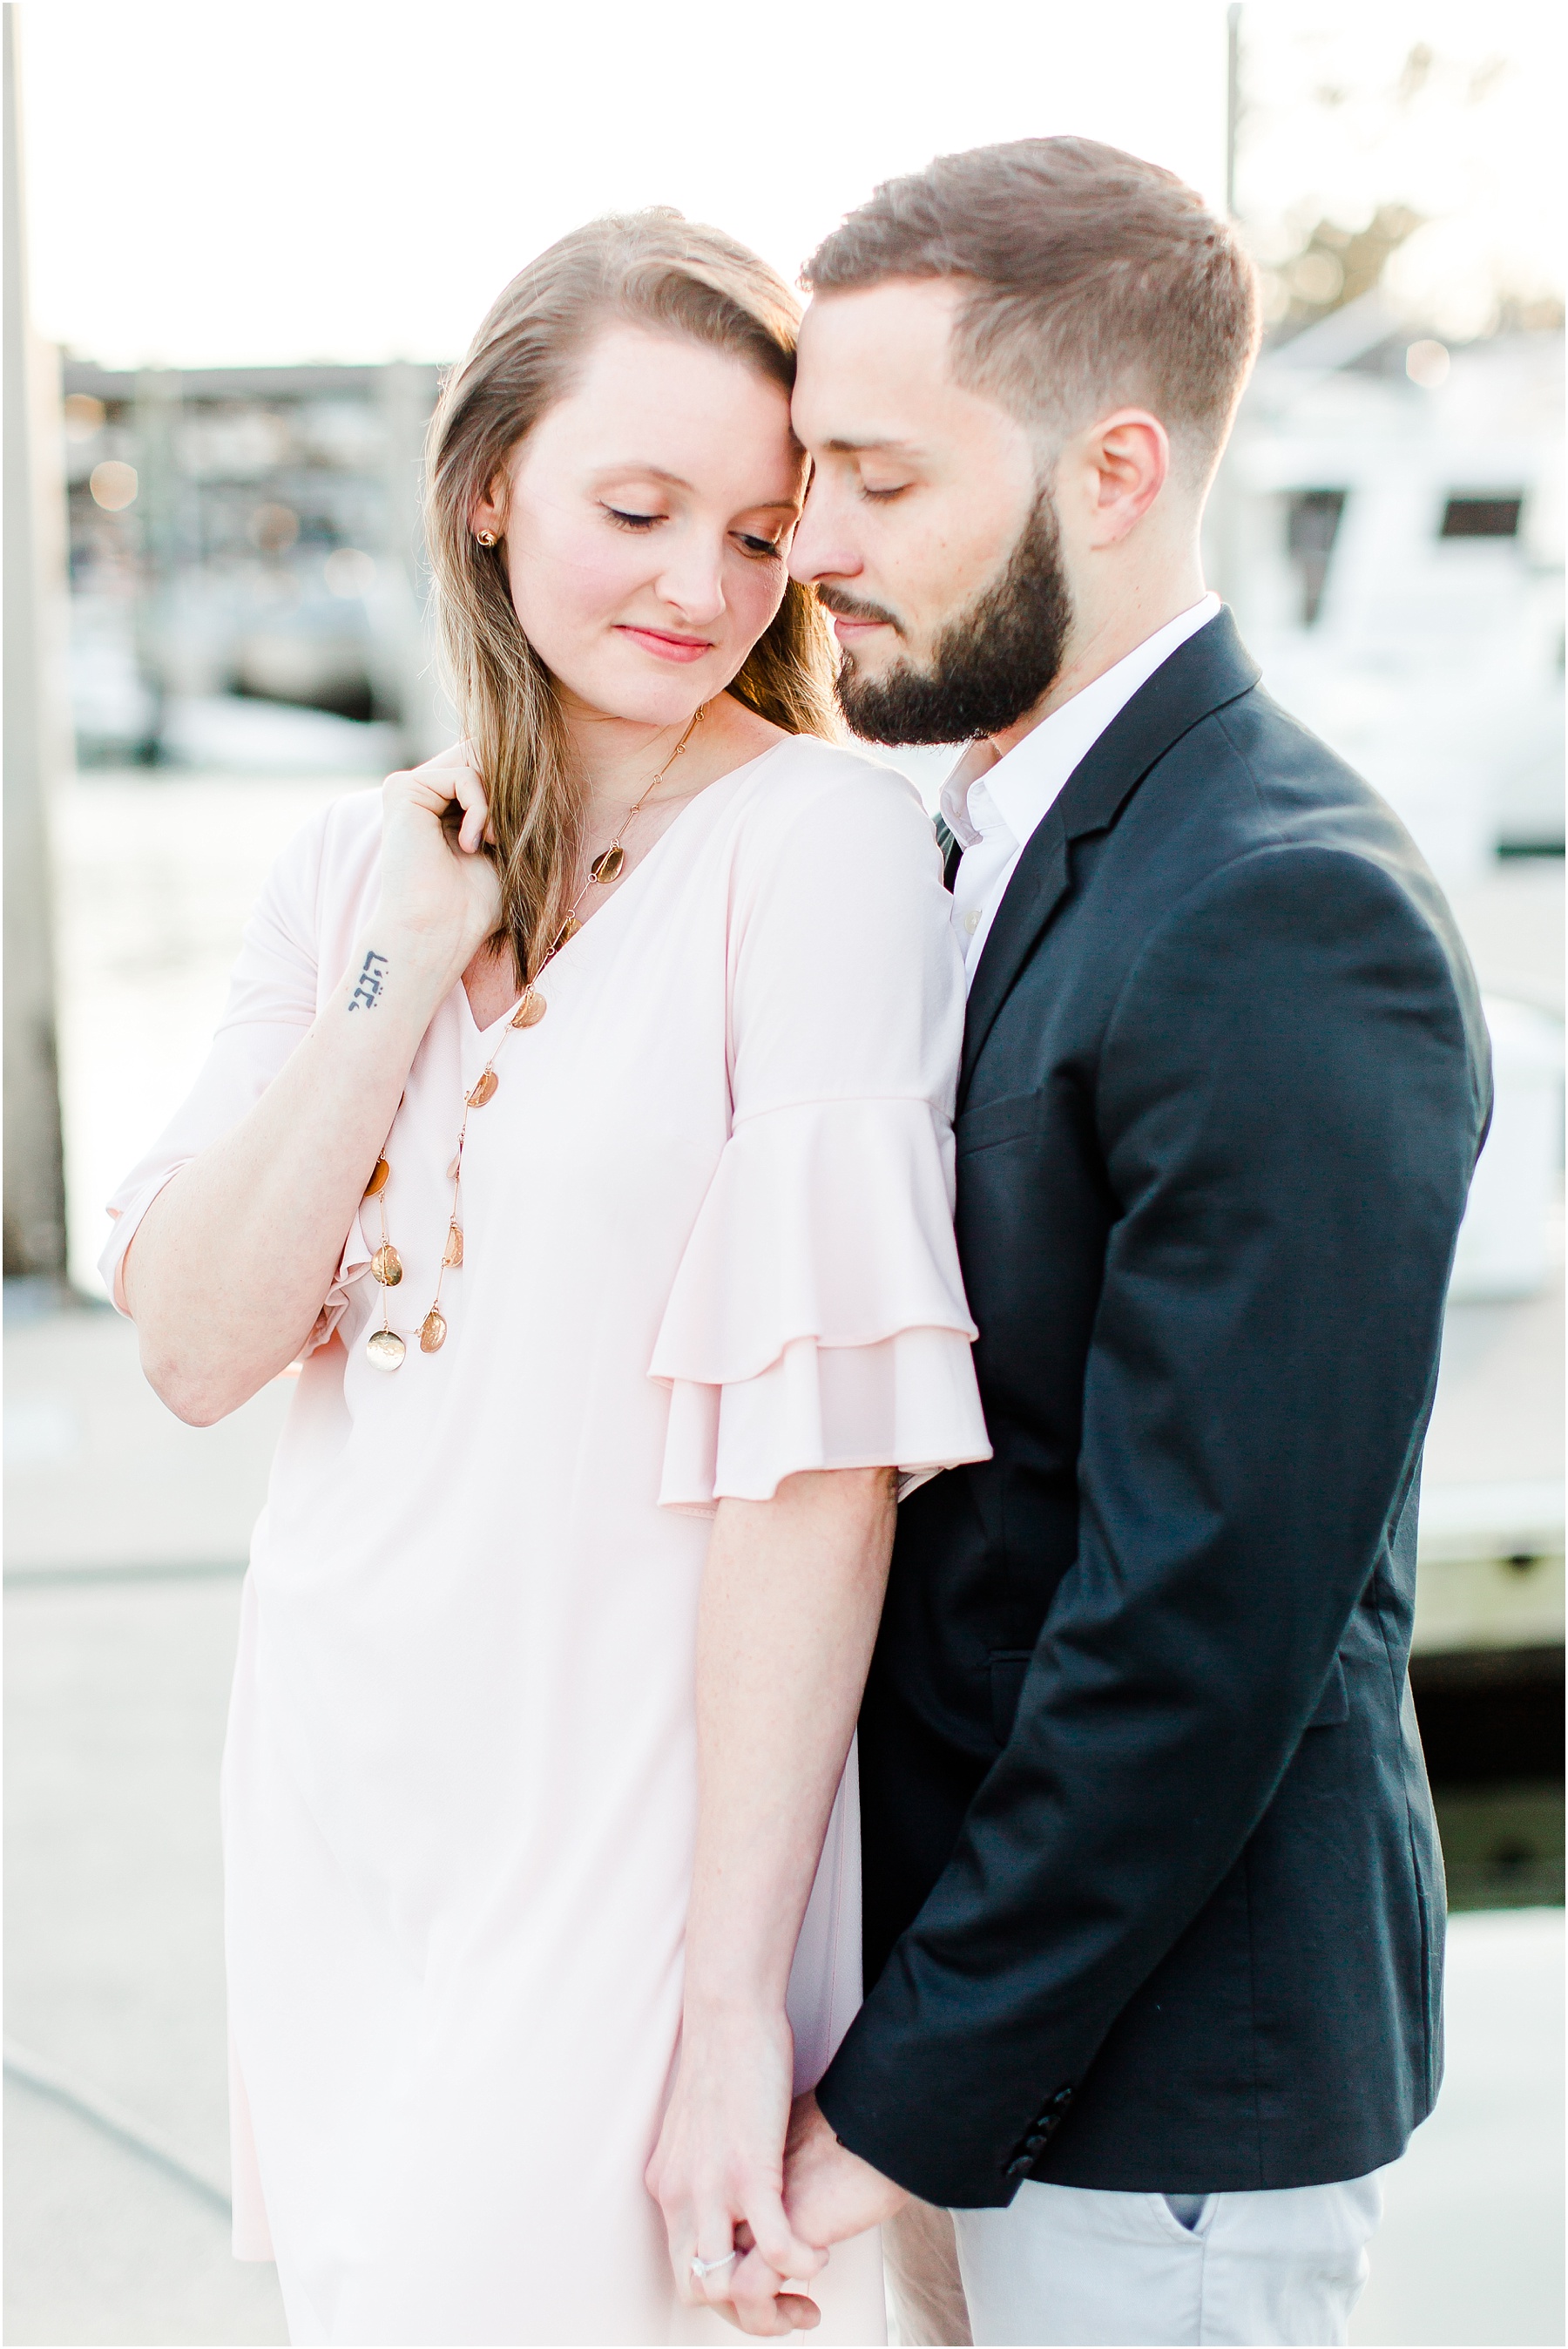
(1023, 785)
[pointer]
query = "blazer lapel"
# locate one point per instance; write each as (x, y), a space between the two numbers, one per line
(1210, 669)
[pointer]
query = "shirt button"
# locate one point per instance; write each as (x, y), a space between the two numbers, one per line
(971, 920)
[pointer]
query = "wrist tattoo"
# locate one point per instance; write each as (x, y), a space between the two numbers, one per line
(370, 982)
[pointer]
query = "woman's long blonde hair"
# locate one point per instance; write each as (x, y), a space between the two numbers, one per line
(653, 269)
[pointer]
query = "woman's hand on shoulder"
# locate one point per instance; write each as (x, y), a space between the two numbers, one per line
(439, 883)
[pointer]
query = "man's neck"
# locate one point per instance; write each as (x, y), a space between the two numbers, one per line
(1107, 637)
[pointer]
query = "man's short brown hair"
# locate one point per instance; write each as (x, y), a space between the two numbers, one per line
(1097, 280)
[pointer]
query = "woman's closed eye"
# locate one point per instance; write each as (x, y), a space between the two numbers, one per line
(758, 549)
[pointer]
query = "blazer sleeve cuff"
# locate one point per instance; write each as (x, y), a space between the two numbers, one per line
(940, 2147)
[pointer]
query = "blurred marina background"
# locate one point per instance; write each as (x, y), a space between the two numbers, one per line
(251, 245)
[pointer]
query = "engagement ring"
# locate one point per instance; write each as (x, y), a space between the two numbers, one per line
(702, 2268)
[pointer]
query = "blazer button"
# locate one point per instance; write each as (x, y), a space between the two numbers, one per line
(1020, 2167)
(1035, 2143)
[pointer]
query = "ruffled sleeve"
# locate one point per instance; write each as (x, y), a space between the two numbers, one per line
(273, 1001)
(817, 1317)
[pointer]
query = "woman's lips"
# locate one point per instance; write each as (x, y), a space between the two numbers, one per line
(674, 648)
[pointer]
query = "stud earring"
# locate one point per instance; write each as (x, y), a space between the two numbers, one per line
(485, 537)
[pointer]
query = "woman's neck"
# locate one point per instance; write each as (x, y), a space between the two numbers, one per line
(619, 757)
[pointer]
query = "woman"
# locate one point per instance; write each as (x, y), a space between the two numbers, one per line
(620, 1043)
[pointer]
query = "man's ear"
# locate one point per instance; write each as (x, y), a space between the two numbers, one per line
(1125, 463)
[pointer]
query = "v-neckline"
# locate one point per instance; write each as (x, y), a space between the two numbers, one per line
(629, 882)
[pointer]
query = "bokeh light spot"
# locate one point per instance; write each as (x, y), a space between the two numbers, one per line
(349, 572)
(113, 485)
(1427, 362)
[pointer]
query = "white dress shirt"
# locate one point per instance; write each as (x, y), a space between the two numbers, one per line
(996, 816)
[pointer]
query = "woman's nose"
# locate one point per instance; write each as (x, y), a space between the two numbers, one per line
(692, 581)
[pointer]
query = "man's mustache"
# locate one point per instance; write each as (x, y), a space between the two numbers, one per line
(850, 608)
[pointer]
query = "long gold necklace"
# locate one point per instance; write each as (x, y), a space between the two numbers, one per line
(384, 1347)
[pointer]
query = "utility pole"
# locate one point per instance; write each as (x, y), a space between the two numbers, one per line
(158, 400)
(1223, 515)
(34, 1196)
(1233, 99)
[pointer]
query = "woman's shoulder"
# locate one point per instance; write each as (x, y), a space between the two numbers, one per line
(347, 830)
(804, 781)
(340, 841)
(828, 835)
(319, 878)
(341, 834)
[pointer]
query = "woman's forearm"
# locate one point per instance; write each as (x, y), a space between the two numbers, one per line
(233, 1258)
(790, 1602)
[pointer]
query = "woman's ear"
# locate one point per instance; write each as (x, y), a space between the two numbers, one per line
(486, 515)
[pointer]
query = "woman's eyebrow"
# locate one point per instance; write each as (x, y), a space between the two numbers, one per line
(632, 470)
(873, 442)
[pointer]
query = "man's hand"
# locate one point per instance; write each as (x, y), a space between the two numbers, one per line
(830, 2193)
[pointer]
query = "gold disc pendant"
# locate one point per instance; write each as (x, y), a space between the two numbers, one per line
(529, 1012)
(485, 1090)
(378, 1182)
(453, 1169)
(606, 867)
(386, 1349)
(453, 1252)
(568, 929)
(386, 1265)
(432, 1332)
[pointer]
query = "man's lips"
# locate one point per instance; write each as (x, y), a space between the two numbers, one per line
(851, 620)
(668, 648)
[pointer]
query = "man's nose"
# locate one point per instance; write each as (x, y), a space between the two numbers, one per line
(823, 545)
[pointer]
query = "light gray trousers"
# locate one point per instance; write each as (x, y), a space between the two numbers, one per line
(1082, 2267)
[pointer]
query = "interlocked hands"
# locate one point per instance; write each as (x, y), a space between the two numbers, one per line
(750, 2207)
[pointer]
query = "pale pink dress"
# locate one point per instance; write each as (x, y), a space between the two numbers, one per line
(709, 1242)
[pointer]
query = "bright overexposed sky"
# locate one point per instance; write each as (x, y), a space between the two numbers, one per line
(214, 183)
(1449, 109)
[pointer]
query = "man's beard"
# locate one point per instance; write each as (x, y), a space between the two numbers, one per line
(991, 664)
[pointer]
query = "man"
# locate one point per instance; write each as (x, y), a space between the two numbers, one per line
(1153, 1900)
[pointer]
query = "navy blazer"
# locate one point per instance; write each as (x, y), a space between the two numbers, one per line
(1153, 1898)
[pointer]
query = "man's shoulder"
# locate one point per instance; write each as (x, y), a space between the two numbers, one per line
(1296, 774)
(1250, 829)
(1251, 777)
(1314, 806)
